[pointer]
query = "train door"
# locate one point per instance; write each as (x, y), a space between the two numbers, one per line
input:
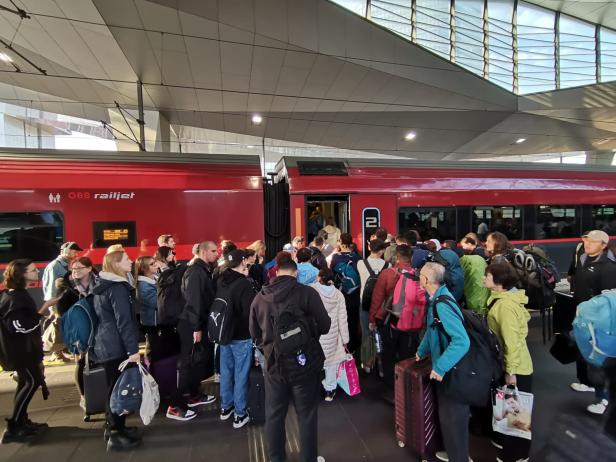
(320, 211)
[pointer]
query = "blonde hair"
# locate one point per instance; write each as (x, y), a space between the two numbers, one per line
(257, 246)
(111, 261)
(115, 248)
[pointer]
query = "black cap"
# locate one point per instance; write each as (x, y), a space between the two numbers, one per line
(235, 257)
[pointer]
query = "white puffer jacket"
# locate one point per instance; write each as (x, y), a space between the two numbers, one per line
(333, 342)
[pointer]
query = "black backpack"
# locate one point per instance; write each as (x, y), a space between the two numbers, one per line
(169, 299)
(470, 381)
(220, 323)
(318, 259)
(366, 295)
(297, 351)
(541, 295)
(6, 361)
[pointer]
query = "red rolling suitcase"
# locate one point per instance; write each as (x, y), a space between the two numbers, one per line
(416, 412)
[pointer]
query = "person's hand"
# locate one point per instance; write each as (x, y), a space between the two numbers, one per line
(511, 379)
(435, 376)
(135, 358)
(197, 336)
(372, 327)
(417, 358)
(48, 304)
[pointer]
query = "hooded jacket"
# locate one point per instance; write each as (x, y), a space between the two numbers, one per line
(117, 335)
(273, 298)
(199, 290)
(508, 319)
(593, 275)
(333, 342)
(242, 295)
(475, 293)
(20, 333)
(146, 294)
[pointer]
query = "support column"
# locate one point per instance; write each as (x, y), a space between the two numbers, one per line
(599, 157)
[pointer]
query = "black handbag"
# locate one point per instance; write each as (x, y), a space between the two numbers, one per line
(202, 359)
(161, 343)
(564, 349)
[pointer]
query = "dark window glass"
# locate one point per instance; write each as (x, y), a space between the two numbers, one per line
(439, 223)
(34, 235)
(604, 218)
(556, 221)
(506, 219)
(108, 233)
(322, 168)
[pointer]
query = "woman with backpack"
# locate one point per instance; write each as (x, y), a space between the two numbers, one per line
(116, 338)
(344, 266)
(498, 248)
(335, 341)
(508, 318)
(21, 349)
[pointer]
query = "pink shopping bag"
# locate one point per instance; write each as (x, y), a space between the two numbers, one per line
(347, 376)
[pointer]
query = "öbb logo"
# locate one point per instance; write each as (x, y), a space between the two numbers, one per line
(112, 195)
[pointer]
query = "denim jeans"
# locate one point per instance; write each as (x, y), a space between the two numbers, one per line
(364, 317)
(235, 362)
(329, 382)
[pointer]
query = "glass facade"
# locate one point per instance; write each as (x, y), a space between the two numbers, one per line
(524, 49)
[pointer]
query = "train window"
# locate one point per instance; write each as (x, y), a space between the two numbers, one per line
(556, 221)
(604, 218)
(439, 223)
(506, 219)
(107, 233)
(322, 168)
(34, 235)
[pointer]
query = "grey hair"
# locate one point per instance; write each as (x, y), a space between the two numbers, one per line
(435, 272)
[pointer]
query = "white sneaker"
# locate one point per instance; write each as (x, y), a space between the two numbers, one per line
(598, 408)
(442, 455)
(320, 459)
(581, 387)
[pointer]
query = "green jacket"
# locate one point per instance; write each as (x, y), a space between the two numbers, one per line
(508, 319)
(475, 293)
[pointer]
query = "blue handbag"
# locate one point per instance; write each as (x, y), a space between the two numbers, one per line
(127, 391)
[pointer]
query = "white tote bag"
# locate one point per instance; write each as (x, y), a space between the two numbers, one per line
(512, 411)
(150, 399)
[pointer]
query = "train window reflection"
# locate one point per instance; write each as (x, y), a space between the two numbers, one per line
(437, 223)
(604, 218)
(33, 235)
(506, 219)
(557, 221)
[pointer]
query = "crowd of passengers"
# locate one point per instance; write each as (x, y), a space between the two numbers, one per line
(307, 275)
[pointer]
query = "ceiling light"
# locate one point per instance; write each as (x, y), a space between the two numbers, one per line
(6, 58)
(410, 136)
(520, 140)
(257, 119)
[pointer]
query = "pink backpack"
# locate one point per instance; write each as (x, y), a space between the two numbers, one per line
(409, 302)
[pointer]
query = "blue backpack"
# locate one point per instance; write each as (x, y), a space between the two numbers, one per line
(454, 274)
(594, 328)
(347, 277)
(78, 325)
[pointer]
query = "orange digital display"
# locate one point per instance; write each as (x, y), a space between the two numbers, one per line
(115, 234)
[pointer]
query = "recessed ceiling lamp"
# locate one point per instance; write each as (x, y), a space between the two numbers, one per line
(520, 140)
(257, 119)
(410, 136)
(6, 58)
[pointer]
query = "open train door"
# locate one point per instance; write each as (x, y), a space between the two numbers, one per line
(277, 216)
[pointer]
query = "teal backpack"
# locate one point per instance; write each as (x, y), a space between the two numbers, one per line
(594, 328)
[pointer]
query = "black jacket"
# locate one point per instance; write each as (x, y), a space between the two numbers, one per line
(117, 332)
(20, 333)
(271, 300)
(241, 298)
(199, 290)
(592, 275)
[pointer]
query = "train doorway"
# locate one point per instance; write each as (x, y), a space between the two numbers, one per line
(327, 212)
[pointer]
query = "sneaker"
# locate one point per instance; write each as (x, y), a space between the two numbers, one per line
(201, 400)
(581, 387)
(442, 455)
(320, 459)
(240, 421)
(176, 413)
(121, 442)
(598, 408)
(226, 413)
(329, 395)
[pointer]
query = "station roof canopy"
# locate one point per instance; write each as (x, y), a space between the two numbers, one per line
(315, 72)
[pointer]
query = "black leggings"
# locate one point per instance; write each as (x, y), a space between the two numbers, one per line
(114, 421)
(30, 379)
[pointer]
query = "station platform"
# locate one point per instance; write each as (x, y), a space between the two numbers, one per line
(350, 429)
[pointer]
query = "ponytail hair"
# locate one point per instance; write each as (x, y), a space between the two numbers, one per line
(326, 277)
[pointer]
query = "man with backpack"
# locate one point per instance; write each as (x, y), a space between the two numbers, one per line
(198, 290)
(595, 272)
(396, 284)
(287, 319)
(447, 342)
(369, 269)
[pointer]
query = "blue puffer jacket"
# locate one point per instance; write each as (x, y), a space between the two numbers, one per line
(146, 294)
(117, 334)
(455, 273)
(445, 354)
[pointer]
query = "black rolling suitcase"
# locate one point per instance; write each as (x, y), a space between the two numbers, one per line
(95, 389)
(576, 439)
(256, 396)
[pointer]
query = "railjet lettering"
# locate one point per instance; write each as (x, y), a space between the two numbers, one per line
(110, 196)
(114, 196)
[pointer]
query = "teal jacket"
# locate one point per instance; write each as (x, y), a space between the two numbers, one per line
(445, 354)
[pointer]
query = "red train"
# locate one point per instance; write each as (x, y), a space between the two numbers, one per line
(97, 199)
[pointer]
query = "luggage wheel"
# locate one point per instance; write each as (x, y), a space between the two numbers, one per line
(86, 418)
(401, 444)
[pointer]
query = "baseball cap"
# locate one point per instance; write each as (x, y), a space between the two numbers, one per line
(235, 257)
(70, 246)
(597, 235)
(288, 247)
